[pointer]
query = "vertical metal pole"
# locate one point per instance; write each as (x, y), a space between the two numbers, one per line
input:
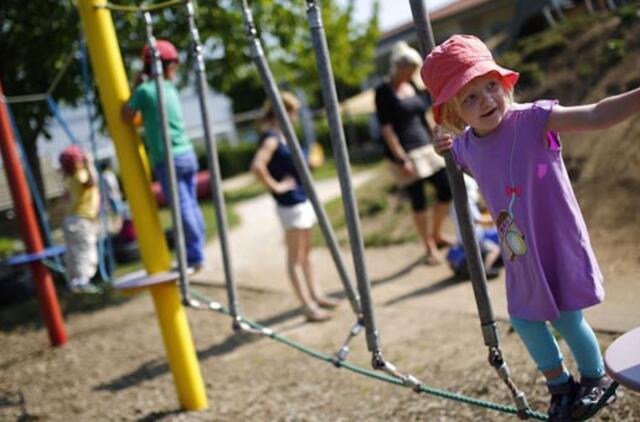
(472, 250)
(113, 88)
(31, 236)
(461, 202)
(339, 144)
(214, 165)
(298, 159)
(174, 200)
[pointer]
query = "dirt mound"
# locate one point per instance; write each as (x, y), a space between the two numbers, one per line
(601, 57)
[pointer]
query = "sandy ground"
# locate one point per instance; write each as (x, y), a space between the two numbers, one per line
(114, 366)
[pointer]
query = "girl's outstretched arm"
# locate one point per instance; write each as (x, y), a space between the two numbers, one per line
(601, 115)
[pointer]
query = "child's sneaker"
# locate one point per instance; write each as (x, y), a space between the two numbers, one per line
(590, 393)
(563, 396)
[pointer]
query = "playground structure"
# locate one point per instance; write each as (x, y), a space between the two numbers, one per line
(112, 80)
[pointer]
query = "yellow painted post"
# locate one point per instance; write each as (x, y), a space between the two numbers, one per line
(113, 87)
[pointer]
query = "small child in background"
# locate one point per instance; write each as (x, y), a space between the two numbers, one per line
(80, 225)
(112, 197)
(514, 153)
(486, 234)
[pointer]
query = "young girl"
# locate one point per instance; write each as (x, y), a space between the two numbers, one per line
(273, 166)
(80, 225)
(514, 153)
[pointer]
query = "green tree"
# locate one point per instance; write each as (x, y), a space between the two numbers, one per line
(36, 39)
(38, 36)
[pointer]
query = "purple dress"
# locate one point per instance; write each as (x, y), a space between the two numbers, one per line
(550, 265)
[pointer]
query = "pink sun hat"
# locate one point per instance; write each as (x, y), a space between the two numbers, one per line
(455, 63)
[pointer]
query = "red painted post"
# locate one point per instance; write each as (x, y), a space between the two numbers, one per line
(29, 230)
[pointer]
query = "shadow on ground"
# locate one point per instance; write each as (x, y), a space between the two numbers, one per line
(427, 290)
(27, 315)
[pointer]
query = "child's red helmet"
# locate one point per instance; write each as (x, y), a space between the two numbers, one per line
(69, 157)
(167, 51)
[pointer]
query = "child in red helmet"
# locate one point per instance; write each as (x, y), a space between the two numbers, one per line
(145, 101)
(80, 226)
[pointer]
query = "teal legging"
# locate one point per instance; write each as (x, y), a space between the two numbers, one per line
(575, 330)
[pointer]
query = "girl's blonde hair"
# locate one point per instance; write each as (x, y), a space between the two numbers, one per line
(450, 111)
(402, 54)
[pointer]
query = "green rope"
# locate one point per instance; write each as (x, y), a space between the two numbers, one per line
(386, 378)
(141, 8)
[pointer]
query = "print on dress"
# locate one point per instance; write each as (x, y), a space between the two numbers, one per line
(511, 237)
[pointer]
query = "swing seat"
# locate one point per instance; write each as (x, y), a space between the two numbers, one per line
(622, 360)
(37, 256)
(140, 279)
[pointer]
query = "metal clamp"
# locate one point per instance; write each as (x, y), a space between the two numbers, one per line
(240, 325)
(496, 360)
(342, 353)
(408, 380)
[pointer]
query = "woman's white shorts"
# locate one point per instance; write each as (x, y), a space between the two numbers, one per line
(298, 216)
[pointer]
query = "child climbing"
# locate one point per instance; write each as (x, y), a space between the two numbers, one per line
(80, 225)
(514, 153)
(145, 101)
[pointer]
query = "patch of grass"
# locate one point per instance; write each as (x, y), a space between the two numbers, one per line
(542, 45)
(384, 216)
(242, 194)
(208, 212)
(8, 247)
(612, 52)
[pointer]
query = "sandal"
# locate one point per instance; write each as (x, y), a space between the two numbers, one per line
(445, 242)
(327, 302)
(316, 315)
(431, 260)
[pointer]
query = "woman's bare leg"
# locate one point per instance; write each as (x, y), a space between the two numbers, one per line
(440, 212)
(421, 221)
(295, 243)
(314, 287)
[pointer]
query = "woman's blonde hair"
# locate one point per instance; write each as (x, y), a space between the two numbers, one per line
(291, 104)
(450, 111)
(402, 54)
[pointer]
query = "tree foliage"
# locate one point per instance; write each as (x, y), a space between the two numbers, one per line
(38, 36)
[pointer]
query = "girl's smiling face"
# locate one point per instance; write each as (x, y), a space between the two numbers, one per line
(483, 103)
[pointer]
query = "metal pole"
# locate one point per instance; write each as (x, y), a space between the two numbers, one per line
(31, 236)
(298, 159)
(461, 203)
(174, 201)
(472, 251)
(339, 145)
(214, 166)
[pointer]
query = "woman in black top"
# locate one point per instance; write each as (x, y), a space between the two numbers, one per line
(401, 109)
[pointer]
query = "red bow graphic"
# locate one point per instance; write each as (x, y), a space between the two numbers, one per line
(513, 190)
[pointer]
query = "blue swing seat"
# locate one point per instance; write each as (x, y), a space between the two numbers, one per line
(140, 279)
(622, 360)
(37, 256)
